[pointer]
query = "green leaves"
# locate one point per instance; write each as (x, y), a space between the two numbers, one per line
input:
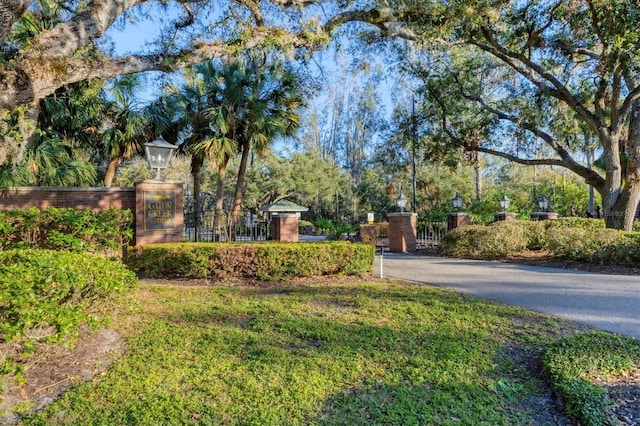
(46, 296)
(67, 229)
(574, 363)
(267, 261)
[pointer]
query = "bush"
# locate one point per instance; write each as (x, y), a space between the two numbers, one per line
(574, 362)
(487, 242)
(587, 242)
(265, 261)
(45, 288)
(47, 295)
(369, 233)
(80, 231)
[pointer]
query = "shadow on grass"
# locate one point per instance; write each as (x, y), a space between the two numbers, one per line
(380, 353)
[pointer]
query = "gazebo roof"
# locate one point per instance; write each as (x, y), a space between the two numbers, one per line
(283, 206)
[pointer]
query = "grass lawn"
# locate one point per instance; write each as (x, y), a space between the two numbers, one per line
(379, 352)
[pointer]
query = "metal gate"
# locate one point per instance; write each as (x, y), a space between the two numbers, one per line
(199, 219)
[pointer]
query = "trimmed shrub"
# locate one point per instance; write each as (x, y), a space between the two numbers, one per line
(369, 233)
(588, 242)
(486, 242)
(57, 290)
(574, 362)
(581, 244)
(265, 261)
(80, 231)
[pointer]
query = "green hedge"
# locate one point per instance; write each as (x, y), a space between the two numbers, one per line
(81, 231)
(264, 261)
(486, 242)
(583, 240)
(573, 363)
(46, 296)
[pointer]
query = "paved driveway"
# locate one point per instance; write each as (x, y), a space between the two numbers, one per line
(607, 302)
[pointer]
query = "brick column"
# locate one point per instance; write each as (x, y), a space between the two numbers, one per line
(159, 212)
(402, 232)
(499, 217)
(284, 227)
(456, 220)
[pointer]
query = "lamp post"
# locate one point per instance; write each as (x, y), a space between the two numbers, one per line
(159, 154)
(504, 203)
(456, 201)
(543, 203)
(401, 202)
(457, 219)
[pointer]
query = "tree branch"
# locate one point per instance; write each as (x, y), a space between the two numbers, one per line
(536, 74)
(10, 12)
(592, 177)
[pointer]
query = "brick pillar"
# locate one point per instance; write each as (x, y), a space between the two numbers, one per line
(456, 220)
(284, 227)
(402, 232)
(499, 217)
(159, 212)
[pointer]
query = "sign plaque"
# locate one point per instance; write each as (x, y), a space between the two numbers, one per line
(159, 210)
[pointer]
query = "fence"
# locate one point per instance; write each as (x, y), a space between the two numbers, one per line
(199, 220)
(429, 234)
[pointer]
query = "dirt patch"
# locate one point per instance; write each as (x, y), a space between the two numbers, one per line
(54, 369)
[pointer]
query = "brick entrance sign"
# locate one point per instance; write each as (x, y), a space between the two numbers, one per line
(157, 206)
(159, 212)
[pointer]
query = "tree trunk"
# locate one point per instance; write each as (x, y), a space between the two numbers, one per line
(478, 178)
(237, 199)
(112, 168)
(219, 213)
(196, 168)
(632, 184)
(612, 189)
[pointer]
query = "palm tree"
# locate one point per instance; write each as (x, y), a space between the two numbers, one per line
(258, 103)
(124, 134)
(231, 109)
(49, 163)
(186, 108)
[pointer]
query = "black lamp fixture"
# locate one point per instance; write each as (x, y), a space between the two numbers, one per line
(457, 202)
(505, 203)
(159, 154)
(401, 202)
(543, 203)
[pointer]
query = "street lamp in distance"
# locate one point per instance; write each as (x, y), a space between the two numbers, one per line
(401, 202)
(505, 203)
(543, 203)
(456, 201)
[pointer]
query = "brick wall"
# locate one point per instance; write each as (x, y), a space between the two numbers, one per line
(402, 232)
(96, 199)
(167, 210)
(284, 227)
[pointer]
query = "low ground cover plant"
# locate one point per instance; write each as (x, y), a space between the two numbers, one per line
(351, 352)
(576, 363)
(46, 296)
(263, 261)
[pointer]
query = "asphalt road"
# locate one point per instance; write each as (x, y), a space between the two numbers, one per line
(606, 302)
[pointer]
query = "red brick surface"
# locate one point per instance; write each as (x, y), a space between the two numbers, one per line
(148, 236)
(402, 232)
(95, 199)
(284, 227)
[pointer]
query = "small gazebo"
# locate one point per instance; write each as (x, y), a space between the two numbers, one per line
(285, 216)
